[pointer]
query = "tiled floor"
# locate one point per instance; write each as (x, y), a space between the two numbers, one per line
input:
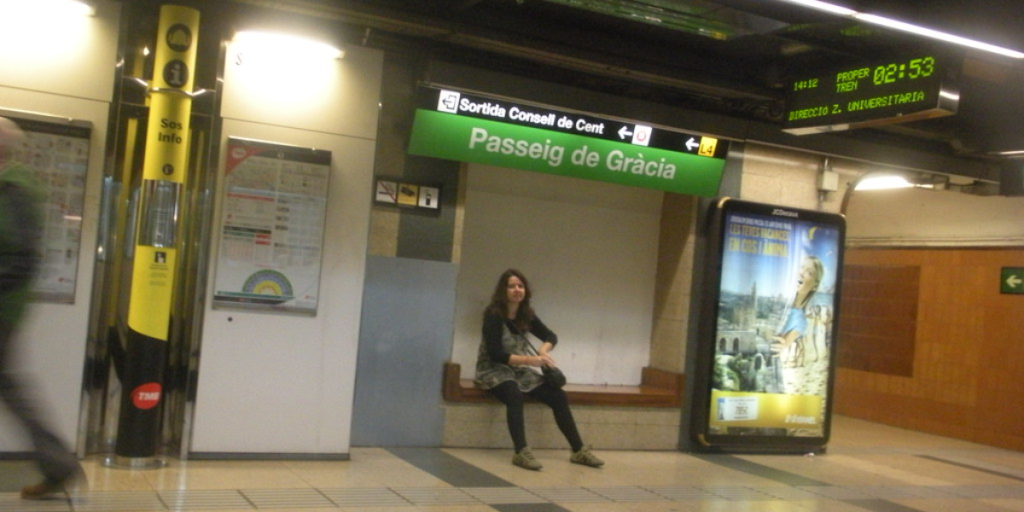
(868, 467)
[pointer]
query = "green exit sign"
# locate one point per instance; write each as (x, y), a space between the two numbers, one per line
(1011, 280)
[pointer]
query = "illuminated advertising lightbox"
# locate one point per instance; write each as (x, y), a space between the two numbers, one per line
(769, 347)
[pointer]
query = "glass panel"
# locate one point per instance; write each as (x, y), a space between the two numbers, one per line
(159, 216)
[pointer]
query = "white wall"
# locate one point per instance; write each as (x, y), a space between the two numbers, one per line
(922, 217)
(275, 383)
(64, 67)
(907, 217)
(590, 252)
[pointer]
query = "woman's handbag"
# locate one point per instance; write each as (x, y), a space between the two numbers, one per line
(553, 376)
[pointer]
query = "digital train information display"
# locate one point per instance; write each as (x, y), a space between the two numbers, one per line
(883, 92)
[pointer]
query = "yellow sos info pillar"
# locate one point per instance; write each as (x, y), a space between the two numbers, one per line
(164, 170)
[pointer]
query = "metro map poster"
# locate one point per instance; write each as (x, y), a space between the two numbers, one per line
(272, 227)
(57, 150)
(774, 335)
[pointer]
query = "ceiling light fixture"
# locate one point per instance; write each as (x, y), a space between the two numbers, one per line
(875, 19)
(286, 46)
(883, 183)
(884, 180)
(824, 6)
(48, 7)
(935, 34)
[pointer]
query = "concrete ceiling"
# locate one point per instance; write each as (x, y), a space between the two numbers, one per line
(729, 58)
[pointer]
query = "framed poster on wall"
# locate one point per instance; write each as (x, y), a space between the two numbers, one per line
(274, 207)
(57, 149)
(766, 356)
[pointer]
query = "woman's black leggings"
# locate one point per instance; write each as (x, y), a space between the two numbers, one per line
(508, 392)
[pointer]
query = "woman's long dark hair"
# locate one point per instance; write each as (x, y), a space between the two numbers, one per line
(499, 300)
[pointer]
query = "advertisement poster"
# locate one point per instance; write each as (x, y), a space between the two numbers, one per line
(59, 153)
(272, 227)
(774, 340)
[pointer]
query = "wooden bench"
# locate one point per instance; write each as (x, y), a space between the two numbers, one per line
(658, 388)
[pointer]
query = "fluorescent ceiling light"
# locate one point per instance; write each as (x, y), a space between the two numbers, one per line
(824, 6)
(82, 7)
(935, 34)
(883, 183)
(47, 7)
(907, 27)
(891, 181)
(286, 46)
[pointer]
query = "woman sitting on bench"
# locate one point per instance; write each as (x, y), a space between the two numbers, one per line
(503, 368)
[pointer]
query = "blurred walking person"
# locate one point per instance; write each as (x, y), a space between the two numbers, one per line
(20, 236)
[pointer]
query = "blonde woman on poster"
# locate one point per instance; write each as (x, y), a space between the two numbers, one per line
(791, 339)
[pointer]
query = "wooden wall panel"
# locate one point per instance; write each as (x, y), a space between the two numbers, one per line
(878, 322)
(968, 346)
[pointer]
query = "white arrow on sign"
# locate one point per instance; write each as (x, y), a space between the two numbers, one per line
(1013, 281)
(624, 132)
(690, 144)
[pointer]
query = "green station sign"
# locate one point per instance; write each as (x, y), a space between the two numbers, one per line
(457, 126)
(1011, 280)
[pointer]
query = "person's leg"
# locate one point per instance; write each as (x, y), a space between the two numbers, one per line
(508, 392)
(510, 395)
(56, 462)
(559, 403)
(556, 399)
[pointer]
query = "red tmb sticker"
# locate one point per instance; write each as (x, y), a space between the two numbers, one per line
(146, 396)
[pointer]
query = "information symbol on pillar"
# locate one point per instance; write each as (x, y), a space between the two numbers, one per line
(168, 169)
(176, 73)
(146, 396)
